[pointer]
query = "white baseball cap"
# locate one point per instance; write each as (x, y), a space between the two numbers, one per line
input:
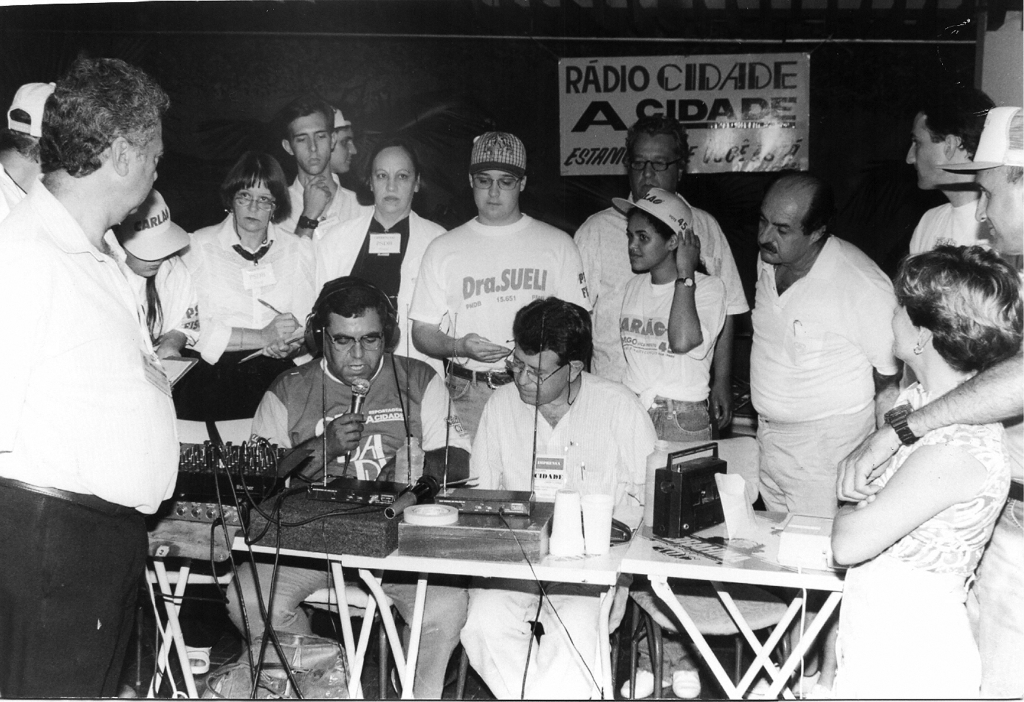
(148, 233)
(1001, 143)
(667, 207)
(339, 120)
(30, 100)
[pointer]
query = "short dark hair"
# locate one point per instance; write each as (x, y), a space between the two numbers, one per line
(821, 210)
(959, 112)
(13, 140)
(393, 142)
(652, 126)
(969, 298)
(98, 101)
(302, 107)
(350, 296)
(254, 168)
(550, 324)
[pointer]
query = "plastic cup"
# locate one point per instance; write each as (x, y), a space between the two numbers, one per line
(566, 528)
(597, 523)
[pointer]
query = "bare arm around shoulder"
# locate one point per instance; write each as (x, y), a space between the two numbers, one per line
(932, 479)
(994, 395)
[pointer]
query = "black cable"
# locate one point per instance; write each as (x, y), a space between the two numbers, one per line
(268, 630)
(543, 593)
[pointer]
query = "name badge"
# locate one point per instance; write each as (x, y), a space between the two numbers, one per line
(155, 374)
(258, 277)
(385, 244)
(548, 477)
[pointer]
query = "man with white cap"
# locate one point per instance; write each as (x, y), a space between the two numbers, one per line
(996, 602)
(19, 144)
(672, 313)
(163, 285)
(474, 278)
(308, 126)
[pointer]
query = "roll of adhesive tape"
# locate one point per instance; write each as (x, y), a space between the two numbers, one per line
(431, 515)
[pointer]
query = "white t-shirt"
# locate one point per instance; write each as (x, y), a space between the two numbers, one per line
(946, 224)
(653, 370)
(603, 248)
(478, 277)
(605, 430)
(816, 344)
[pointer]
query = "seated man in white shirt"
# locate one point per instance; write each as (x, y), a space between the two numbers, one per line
(594, 436)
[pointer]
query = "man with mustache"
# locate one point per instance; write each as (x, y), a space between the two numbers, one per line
(822, 371)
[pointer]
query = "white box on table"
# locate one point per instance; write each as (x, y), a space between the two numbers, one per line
(807, 543)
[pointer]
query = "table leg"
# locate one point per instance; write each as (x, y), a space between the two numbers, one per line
(171, 606)
(762, 652)
(661, 588)
(416, 630)
(383, 602)
(806, 639)
(354, 670)
(604, 655)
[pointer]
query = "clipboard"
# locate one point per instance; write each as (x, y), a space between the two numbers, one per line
(176, 368)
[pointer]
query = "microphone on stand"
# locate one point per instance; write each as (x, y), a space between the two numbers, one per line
(424, 490)
(360, 387)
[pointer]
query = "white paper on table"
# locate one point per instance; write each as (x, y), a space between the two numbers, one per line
(739, 513)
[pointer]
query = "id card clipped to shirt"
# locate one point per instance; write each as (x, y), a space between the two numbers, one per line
(548, 477)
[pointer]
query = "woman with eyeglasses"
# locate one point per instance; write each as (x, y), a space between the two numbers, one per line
(385, 243)
(904, 630)
(255, 284)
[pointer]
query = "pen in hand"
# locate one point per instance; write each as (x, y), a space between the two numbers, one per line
(269, 306)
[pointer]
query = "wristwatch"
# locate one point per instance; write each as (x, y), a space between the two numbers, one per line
(897, 419)
(687, 282)
(307, 223)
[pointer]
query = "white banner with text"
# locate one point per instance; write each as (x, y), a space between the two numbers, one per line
(742, 112)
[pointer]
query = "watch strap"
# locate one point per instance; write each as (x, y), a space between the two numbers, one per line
(687, 282)
(897, 419)
(307, 223)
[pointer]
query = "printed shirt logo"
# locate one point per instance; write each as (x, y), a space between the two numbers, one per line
(646, 335)
(510, 279)
(370, 456)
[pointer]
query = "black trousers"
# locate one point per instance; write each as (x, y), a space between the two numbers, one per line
(69, 578)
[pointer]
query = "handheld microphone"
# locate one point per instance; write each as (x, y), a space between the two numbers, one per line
(360, 386)
(424, 490)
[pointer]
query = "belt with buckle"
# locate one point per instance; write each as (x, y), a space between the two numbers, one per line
(1016, 491)
(492, 378)
(97, 504)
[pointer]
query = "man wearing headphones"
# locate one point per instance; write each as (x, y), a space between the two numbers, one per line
(354, 327)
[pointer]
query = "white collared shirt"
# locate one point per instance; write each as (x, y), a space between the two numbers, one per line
(77, 412)
(816, 344)
(230, 288)
(603, 440)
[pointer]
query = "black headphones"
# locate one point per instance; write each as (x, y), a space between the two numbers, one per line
(318, 319)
